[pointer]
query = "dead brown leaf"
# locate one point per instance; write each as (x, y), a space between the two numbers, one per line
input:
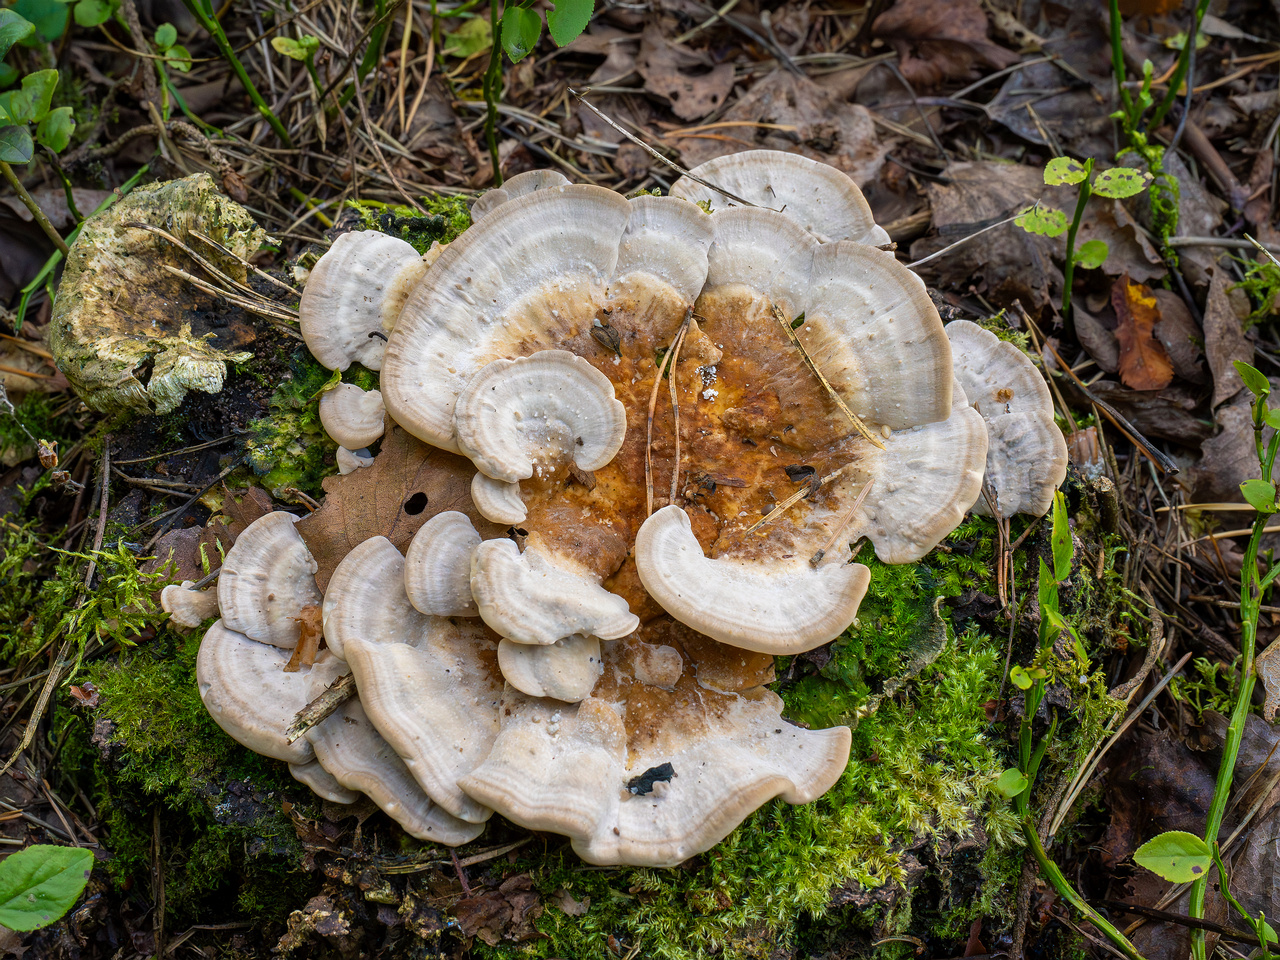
(1097, 339)
(1224, 339)
(408, 484)
(1229, 458)
(503, 914)
(794, 114)
(1268, 667)
(1144, 362)
(940, 40)
(1181, 336)
(690, 81)
(1128, 249)
(1170, 414)
(310, 633)
(574, 908)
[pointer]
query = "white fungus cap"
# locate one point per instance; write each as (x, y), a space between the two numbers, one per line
(437, 566)
(186, 607)
(267, 579)
(353, 417)
(349, 461)
(565, 670)
(517, 186)
(497, 500)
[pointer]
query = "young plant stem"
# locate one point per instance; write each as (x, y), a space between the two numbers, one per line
(1175, 82)
(1069, 268)
(207, 20)
(1117, 66)
(493, 93)
(30, 203)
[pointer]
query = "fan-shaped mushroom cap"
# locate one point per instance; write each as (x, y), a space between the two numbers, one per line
(534, 271)
(267, 578)
(366, 599)
(352, 417)
(348, 746)
(497, 500)
(1026, 453)
(246, 691)
(815, 195)
(773, 606)
(572, 769)
(354, 295)
(186, 607)
(923, 482)
(437, 566)
(349, 461)
(517, 186)
(667, 238)
(534, 413)
(431, 686)
(531, 597)
(565, 670)
(322, 782)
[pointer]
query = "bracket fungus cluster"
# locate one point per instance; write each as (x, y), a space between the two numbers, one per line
(689, 417)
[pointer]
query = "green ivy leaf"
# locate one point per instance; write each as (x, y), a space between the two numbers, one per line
(1062, 170)
(16, 145)
(1253, 378)
(40, 86)
(12, 29)
(1091, 254)
(1177, 856)
(1020, 678)
(1120, 182)
(1063, 547)
(93, 13)
(40, 884)
(1010, 783)
(179, 57)
(1045, 221)
(521, 29)
(569, 18)
(1260, 494)
(56, 128)
(469, 39)
(166, 36)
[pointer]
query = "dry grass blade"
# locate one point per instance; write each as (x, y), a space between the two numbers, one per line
(843, 524)
(245, 263)
(261, 308)
(675, 408)
(653, 403)
(809, 487)
(831, 391)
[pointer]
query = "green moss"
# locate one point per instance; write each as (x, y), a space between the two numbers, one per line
(1262, 283)
(289, 448)
(32, 416)
(445, 219)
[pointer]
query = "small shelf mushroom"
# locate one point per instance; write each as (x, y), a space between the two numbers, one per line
(267, 581)
(351, 416)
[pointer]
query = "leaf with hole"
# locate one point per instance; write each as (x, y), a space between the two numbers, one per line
(40, 884)
(1177, 856)
(12, 29)
(521, 28)
(1020, 678)
(1120, 182)
(1091, 254)
(1010, 783)
(1044, 221)
(56, 128)
(569, 18)
(16, 145)
(166, 36)
(1062, 170)
(1260, 494)
(1253, 378)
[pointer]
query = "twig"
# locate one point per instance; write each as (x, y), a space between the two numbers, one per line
(809, 487)
(653, 404)
(977, 233)
(322, 707)
(675, 408)
(843, 523)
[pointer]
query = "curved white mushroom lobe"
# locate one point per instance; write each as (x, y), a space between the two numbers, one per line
(1026, 453)
(322, 782)
(186, 607)
(782, 607)
(537, 261)
(354, 296)
(354, 418)
(530, 598)
(267, 579)
(497, 500)
(517, 186)
(667, 238)
(565, 670)
(534, 413)
(437, 566)
(366, 599)
(817, 196)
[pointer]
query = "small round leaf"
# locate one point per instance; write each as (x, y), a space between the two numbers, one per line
(1045, 221)
(569, 18)
(55, 129)
(166, 36)
(1010, 783)
(1091, 254)
(92, 13)
(40, 884)
(1020, 678)
(12, 29)
(521, 28)
(1120, 182)
(1260, 494)
(1177, 856)
(1062, 170)
(179, 57)
(16, 145)
(1253, 378)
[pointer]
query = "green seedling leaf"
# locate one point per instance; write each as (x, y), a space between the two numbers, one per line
(521, 29)
(56, 128)
(1092, 254)
(48, 16)
(1063, 547)
(1045, 221)
(473, 37)
(1177, 856)
(1120, 182)
(8, 74)
(1272, 418)
(39, 86)
(1260, 494)
(1062, 170)
(12, 29)
(1270, 932)
(92, 13)
(569, 18)
(300, 49)
(179, 57)
(16, 145)
(1258, 384)
(166, 36)
(1010, 783)
(1020, 678)
(40, 884)
(15, 107)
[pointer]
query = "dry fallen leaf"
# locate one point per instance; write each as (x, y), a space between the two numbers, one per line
(1144, 362)
(940, 40)
(1224, 339)
(1268, 667)
(682, 76)
(408, 484)
(310, 633)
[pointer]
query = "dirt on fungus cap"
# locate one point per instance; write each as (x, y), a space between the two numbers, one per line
(267, 580)
(1026, 452)
(354, 418)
